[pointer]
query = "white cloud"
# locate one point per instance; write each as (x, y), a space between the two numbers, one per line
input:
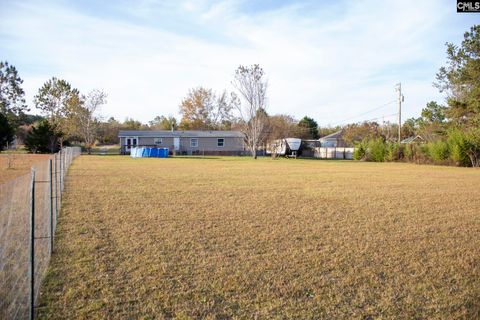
(328, 63)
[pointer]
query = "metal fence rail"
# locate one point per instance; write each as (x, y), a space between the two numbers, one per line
(29, 208)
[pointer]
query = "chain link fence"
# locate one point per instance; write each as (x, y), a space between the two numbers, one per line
(29, 208)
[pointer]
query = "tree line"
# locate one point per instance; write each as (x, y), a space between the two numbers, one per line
(68, 115)
(71, 117)
(449, 134)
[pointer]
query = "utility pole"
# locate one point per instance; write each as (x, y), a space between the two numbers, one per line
(400, 100)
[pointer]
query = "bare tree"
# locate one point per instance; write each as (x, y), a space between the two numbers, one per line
(222, 112)
(251, 84)
(84, 116)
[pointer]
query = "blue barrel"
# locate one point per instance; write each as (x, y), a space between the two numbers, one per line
(164, 153)
(154, 152)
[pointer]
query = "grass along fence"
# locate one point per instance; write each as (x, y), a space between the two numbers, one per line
(29, 208)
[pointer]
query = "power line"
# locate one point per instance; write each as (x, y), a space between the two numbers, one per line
(378, 118)
(367, 112)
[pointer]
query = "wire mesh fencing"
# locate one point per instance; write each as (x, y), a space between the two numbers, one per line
(29, 208)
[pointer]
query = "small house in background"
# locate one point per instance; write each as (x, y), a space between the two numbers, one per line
(413, 139)
(333, 140)
(185, 142)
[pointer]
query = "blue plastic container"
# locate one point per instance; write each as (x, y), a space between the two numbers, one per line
(143, 152)
(163, 153)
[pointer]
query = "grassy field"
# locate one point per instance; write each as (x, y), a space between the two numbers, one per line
(13, 165)
(220, 238)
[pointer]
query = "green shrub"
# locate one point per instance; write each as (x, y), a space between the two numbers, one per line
(418, 153)
(371, 150)
(410, 151)
(360, 150)
(457, 143)
(438, 150)
(44, 138)
(465, 146)
(394, 151)
(473, 146)
(376, 150)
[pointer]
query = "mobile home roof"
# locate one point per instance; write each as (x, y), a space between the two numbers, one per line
(182, 134)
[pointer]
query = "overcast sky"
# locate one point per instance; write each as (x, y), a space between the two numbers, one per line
(331, 60)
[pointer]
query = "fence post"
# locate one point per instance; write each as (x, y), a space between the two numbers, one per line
(32, 247)
(56, 188)
(62, 160)
(51, 206)
(61, 174)
(64, 153)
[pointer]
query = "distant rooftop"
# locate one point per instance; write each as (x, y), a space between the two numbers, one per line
(180, 133)
(412, 139)
(335, 135)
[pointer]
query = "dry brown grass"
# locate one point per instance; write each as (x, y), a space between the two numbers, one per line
(20, 164)
(237, 238)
